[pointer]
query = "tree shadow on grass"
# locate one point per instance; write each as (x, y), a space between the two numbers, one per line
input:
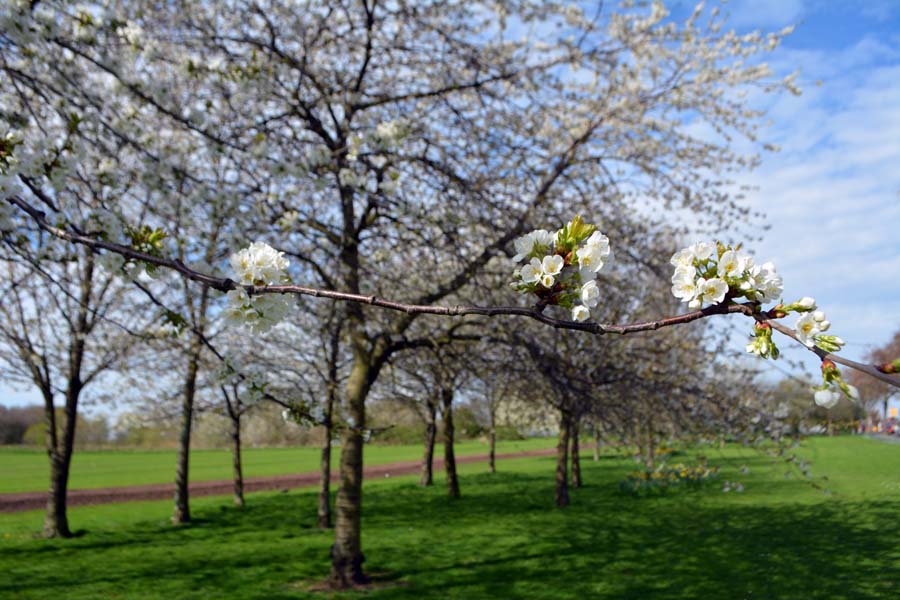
(502, 539)
(607, 545)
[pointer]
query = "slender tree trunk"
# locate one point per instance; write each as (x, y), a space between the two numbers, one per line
(576, 454)
(449, 454)
(236, 459)
(597, 443)
(346, 553)
(323, 513)
(651, 448)
(430, 435)
(641, 440)
(562, 462)
(56, 521)
(492, 440)
(182, 512)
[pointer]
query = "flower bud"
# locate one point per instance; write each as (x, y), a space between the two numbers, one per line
(830, 371)
(827, 398)
(807, 303)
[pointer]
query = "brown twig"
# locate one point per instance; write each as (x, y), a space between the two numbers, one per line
(536, 313)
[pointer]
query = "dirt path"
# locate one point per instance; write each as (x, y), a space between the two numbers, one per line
(36, 500)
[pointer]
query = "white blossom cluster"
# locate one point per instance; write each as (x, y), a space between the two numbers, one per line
(562, 266)
(257, 265)
(705, 273)
(389, 134)
(383, 138)
(9, 183)
(810, 328)
(235, 372)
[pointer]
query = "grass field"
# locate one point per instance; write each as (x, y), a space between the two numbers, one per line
(27, 470)
(780, 539)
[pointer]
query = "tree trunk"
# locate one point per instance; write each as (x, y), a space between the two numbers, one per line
(236, 460)
(427, 477)
(346, 553)
(323, 513)
(492, 440)
(182, 512)
(597, 443)
(649, 458)
(56, 521)
(562, 463)
(449, 454)
(576, 454)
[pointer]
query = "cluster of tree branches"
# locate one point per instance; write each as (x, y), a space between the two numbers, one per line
(390, 150)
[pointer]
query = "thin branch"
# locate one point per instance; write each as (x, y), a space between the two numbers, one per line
(536, 313)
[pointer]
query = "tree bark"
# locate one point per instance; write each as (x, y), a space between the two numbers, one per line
(650, 460)
(56, 520)
(346, 553)
(56, 523)
(562, 462)
(427, 477)
(597, 443)
(638, 433)
(576, 454)
(449, 454)
(182, 512)
(323, 512)
(236, 460)
(492, 440)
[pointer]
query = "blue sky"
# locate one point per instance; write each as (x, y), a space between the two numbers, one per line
(832, 194)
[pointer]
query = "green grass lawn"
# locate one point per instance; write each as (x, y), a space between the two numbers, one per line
(779, 539)
(27, 470)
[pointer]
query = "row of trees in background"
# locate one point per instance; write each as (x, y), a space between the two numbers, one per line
(386, 149)
(263, 426)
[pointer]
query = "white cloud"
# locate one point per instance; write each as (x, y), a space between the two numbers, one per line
(833, 194)
(765, 13)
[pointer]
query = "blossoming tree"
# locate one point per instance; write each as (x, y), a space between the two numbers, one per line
(391, 150)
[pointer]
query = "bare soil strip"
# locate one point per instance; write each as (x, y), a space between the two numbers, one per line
(18, 502)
